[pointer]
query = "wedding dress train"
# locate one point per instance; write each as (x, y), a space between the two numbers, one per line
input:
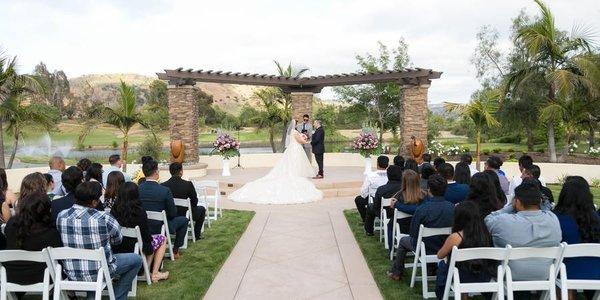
(286, 183)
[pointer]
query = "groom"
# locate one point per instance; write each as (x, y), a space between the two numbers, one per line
(318, 146)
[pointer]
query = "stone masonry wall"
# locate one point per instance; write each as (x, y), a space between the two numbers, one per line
(183, 119)
(301, 104)
(413, 116)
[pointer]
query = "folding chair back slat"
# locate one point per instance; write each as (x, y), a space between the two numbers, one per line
(564, 283)
(422, 259)
(186, 203)
(162, 217)
(396, 230)
(139, 245)
(6, 287)
(209, 193)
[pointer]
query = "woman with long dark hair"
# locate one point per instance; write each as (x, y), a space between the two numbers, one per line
(493, 176)
(94, 173)
(483, 192)
(113, 182)
(468, 231)
(83, 164)
(462, 173)
(411, 164)
(128, 211)
(31, 184)
(30, 229)
(579, 223)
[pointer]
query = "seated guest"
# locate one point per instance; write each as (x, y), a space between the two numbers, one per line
(83, 164)
(5, 193)
(426, 161)
(57, 166)
(426, 171)
(82, 226)
(115, 166)
(31, 229)
(71, 178)
(495, 180)
(525, 224)
(434, 212)
(407, 200)
(494, 163)
(156, 197)
(33, 183)
(437, 162)
(462, 173)
(399, 161)
(411, 164)
(114, 181)
(525, 161)
(94, 173)
(139, 175)
(483, 192)
(50, 186)
(184, 189)
(372, 181)
(579, 223)
(455, 192)
(533, 172)
(468, 231)
(394, 184)
(468, 160)
(128, 211)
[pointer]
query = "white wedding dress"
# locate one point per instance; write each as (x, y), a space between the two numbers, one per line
(286, 183)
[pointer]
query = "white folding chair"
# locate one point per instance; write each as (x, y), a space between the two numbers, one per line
(102, 282)
(209, 192)
(546, 285)
(383, 220)
(565, 284)
(7, 288)
(459, 288)
(164, 230)
(422, 259)
(397, 233)
(135, 233)
(186, 203)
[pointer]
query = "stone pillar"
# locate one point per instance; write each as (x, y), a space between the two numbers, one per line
(413, 115)
(301, 104)
(183, 119)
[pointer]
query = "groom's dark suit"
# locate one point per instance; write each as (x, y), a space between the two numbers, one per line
(318, 147)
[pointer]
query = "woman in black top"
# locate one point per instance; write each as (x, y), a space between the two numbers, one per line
(30, 229)
(128, 211)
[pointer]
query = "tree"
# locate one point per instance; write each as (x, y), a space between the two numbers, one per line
(56, 85)
(557, 59)
(13, 84)
(480, 111)
(124, 116)
(157, 94)
(382, 101)
(271, 113)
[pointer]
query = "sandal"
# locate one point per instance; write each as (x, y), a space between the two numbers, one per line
(160, 276)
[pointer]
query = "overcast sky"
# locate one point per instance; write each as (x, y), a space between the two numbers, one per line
(147, 36)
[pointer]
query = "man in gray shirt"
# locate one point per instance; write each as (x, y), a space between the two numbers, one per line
(526, 223)
(306, 128)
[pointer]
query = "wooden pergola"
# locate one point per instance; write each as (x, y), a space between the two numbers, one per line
(183, 109)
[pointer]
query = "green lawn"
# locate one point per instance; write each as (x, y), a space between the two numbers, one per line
(379, 263)
(555, 188)
(191, 275)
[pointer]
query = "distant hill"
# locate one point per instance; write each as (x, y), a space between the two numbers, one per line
(104, 88)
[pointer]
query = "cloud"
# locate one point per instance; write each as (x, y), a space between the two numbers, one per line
(139, 36)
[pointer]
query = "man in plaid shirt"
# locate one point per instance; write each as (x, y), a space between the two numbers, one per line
(84, 227)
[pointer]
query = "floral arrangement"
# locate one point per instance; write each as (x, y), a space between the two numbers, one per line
(453, 150)
(572, 148)
(436, 148)
(594, 152)
(226, 146)
(366, 144)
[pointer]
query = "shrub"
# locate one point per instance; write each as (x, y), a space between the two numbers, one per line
(151, 146)
(595, 182)
(80, 146)
(541, 150)
(512, 157)
(496, 150)
(486, 151)
(510, 150)
(562, 178)
(466, 150)
(114, 145)
(509, 139)
(593, 152)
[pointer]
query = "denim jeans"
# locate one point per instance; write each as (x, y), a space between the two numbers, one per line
(178, 226)
(128, 266)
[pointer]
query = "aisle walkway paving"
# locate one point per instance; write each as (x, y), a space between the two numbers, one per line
(303, 251)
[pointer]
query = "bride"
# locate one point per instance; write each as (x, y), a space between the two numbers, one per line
(287, 182)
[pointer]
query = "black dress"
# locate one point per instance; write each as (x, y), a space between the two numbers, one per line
(40, 237)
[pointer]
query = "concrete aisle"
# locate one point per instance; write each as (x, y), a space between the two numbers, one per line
(304, 251)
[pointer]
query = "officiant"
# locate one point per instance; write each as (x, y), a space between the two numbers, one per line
(306, 128)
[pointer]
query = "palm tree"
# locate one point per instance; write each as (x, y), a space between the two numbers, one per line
(480, 111)
(12, 84)
(271, 115)
(285, 99)
(18, 114)
(124, 116)
(559, 60)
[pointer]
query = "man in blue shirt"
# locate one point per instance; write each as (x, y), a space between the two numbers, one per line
(435, 212)
(455, 192)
